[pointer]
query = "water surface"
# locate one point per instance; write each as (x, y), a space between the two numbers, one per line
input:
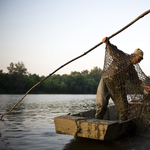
(31, 126)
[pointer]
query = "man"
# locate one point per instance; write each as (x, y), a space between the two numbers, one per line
(119, 77)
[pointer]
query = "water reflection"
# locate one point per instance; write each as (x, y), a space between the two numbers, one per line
(89, 144)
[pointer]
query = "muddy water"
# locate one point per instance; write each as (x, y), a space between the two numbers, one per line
(31, 126)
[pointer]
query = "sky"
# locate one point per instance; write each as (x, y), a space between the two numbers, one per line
(45, 34)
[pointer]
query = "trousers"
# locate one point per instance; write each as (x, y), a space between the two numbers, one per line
(118, 96)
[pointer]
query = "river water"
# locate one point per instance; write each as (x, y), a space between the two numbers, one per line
(30, 126)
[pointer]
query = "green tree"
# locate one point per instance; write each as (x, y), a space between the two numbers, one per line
(32, 79)
(85, 73)
(76, 83)
(18, 81)
(96, 74)
(17, 76)
(11, 68)
(18, 68)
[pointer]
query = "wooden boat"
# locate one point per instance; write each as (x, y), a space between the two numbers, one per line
(85, 125)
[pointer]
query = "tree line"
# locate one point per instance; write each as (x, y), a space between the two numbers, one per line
(19, 81)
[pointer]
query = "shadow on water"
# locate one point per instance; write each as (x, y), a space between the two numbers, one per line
(128, 143)
(90, 144)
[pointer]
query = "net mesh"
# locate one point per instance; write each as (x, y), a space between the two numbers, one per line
(123, 80)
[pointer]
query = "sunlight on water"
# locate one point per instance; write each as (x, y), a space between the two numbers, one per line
(31, 124)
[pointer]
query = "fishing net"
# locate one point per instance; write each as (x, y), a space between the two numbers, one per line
(123, 80)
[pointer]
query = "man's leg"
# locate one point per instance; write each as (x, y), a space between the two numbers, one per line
(121, 103)
(102, 99)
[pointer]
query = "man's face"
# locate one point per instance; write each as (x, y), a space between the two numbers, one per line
(136, 59)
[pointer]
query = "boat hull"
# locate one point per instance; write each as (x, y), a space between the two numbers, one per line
(85, 125)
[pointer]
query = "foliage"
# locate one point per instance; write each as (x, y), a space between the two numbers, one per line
(18, 68)
(17, 81)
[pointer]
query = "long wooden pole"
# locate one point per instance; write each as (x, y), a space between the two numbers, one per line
(139, 17)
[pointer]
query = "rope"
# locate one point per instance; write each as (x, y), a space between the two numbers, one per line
(142, 15)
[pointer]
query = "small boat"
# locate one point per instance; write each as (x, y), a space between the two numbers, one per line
(85, 125)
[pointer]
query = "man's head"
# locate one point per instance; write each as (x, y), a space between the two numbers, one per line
(136, 56)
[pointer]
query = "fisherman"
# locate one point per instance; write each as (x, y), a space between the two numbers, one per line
(119, 70)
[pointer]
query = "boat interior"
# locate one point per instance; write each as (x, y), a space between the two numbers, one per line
(111, 114)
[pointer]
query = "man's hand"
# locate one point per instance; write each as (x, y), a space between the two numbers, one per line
(146, 87)
(105, 39)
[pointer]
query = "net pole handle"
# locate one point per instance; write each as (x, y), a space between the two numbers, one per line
(139, 17)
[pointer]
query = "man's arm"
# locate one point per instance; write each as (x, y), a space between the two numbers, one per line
(146, 87)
